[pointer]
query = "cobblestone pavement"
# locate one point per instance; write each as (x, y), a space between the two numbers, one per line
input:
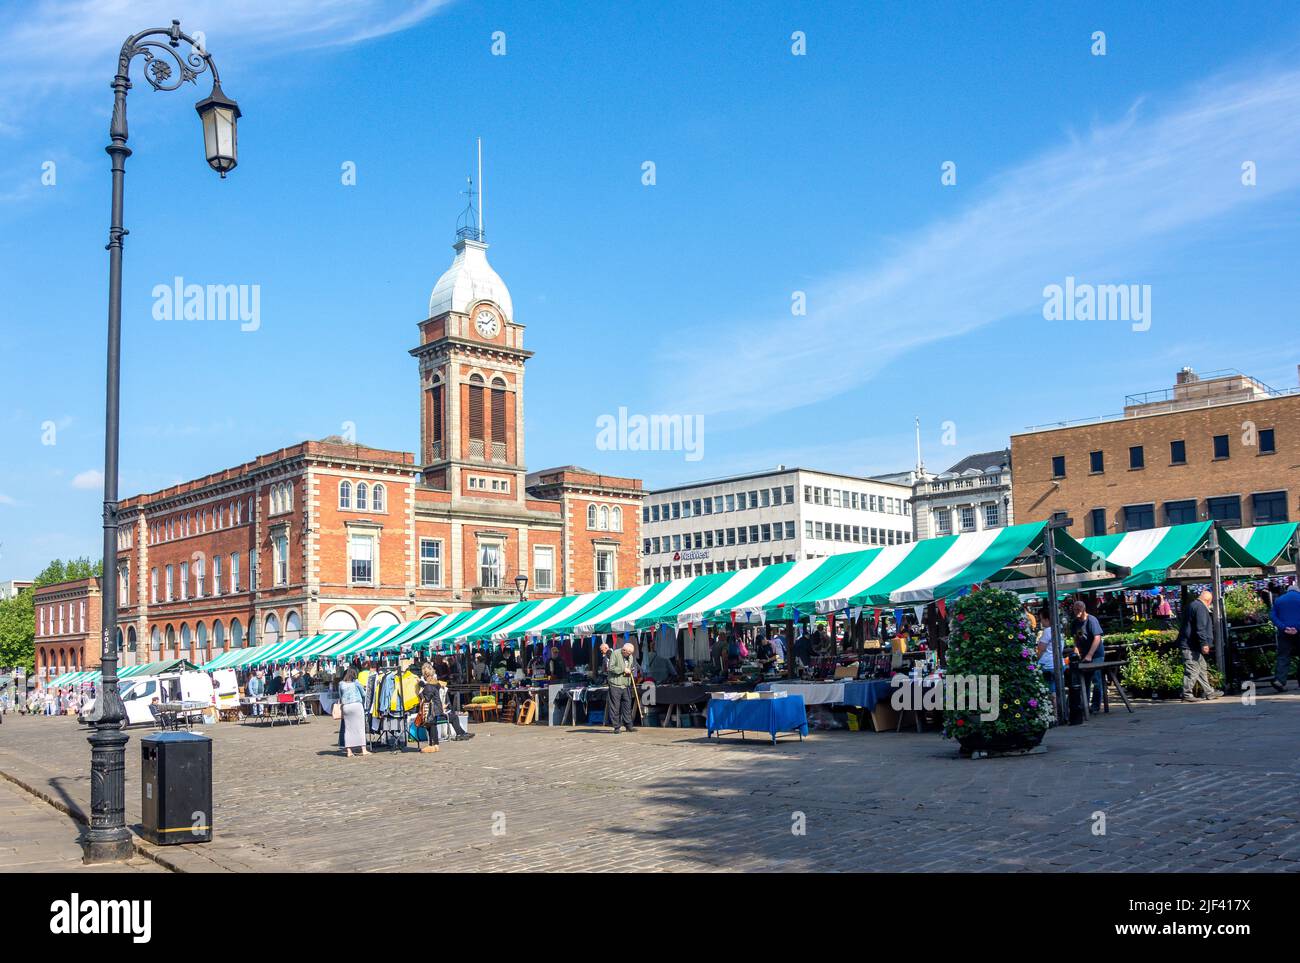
(1208, 786)
(37, 838)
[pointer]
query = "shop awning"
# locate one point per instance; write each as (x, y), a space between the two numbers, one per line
(1270, 544)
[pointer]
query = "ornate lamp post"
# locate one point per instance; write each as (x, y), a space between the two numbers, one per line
(521, 586)
(165, 69)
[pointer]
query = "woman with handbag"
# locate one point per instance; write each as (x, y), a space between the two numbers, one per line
(351, 711)
(433, 707)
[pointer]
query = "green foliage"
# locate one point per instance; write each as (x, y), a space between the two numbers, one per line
(18, 632)
(990, 637)
(75, 568)
(1158, 670)
(1155, 638)
(1242, 603)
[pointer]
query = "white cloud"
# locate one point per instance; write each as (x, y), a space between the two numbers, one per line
(1099, 207)
(6, 500)
(88, 480)
(62, 43)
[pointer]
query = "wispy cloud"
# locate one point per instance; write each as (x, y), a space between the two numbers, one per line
(89, 480)
(64, 43)
(1119, 199)
(6, 499)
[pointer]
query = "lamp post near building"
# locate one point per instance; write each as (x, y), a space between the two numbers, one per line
(521, 586)
(166, 68)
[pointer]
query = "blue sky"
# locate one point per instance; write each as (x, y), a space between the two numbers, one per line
(775, 173)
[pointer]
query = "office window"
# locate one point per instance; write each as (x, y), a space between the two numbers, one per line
(1139, 517)
(153, 585)
(1097, 521)
(654, 513)
(1267, 445)
(789, 529)
(992, 515)
(765, 497)
(819, 530)
(216, 574)
(1180, 512)
(697, 507)
(731, 503)
(789, 494)
(1225, 509)
(731, 536)
(431, 562)
(1096, 462)
(967, 518)
(777, 531)
(808, 529)
(234, 572)
(686, 509)
(544, 568)
(1136, 457)
(741, 501)
(1269, 507)
(753, 533)
(185, 580)
(645, 513)
(1178, 453)
(708, 506)
(742, 535)
(1058, 466)
(1220, 446)
(199, 578)
(942, 523)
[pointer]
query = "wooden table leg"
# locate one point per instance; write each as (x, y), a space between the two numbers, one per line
(1120, 688)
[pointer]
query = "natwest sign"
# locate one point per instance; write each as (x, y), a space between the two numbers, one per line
(696, 556)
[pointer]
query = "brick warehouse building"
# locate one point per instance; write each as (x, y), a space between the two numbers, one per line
(1224, 446)
(330, 535)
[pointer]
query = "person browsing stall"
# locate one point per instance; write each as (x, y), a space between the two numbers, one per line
(1285, 616)
(620, 669)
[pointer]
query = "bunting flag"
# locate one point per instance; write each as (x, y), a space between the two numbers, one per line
(943, 608)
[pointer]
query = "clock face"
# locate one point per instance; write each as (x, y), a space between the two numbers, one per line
(486, 324)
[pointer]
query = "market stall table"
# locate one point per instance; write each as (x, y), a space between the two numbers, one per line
(674, 697)
(780, 714)
(273, 710)
(813, 693)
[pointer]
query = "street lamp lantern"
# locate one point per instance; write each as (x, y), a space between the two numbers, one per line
(219, 115)
(521, 586)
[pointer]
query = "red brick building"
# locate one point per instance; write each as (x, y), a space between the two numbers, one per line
(67, 627)
(330, 535)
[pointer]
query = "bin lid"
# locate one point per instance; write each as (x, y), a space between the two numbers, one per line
(176, 737)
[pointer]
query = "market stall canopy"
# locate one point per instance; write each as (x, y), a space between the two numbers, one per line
(921, 571)
(1270, 544)
(95, 676)
(1155, 556)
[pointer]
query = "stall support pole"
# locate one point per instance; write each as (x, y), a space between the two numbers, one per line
(1216, 574)
(1295, 551)
(789, 651)
(1053, 606)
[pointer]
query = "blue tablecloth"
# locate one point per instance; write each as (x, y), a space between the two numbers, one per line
(867, 693)
(758, 715)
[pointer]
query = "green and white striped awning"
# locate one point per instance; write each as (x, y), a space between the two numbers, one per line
(1154, 556)
(915, 572)
(95, 676)
(1267, 543)
(664, 606)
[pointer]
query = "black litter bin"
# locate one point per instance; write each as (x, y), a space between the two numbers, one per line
(176, 788)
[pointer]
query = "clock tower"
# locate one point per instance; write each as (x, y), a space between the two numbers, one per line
(471, 356)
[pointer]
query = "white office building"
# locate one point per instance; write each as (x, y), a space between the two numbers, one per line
(750, 520)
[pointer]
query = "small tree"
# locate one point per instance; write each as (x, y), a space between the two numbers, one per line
(989, 637)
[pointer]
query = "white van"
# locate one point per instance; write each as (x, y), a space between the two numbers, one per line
(140, 693)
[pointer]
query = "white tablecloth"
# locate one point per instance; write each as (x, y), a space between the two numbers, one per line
(814, 693)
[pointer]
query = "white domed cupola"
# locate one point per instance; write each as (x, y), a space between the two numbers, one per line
(470, 279)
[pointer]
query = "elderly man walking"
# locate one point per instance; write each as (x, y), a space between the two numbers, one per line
(1194, 641)
(620, 687)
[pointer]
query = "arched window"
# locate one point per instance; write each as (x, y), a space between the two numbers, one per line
(218, 636)
(275, 499)
(236, 634)
(604, 518)
(200, 642)
(377, 498)
(591, 516)
(292, 626)
(345, 494)
(362, 496)
(119, 640)
(155, 639)
(185, 637)
(271, 635)
(170, 637)
(617, 521)
(131, 641)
